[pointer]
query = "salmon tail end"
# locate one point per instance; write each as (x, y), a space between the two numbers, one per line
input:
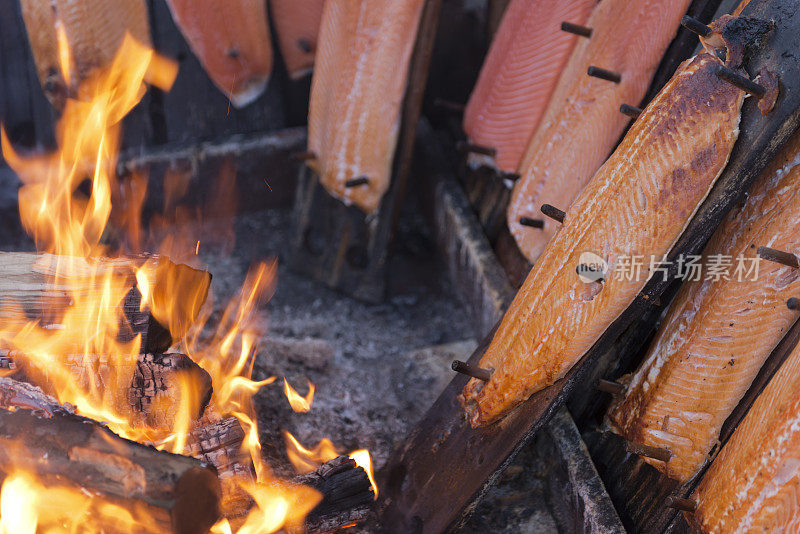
(732, 36)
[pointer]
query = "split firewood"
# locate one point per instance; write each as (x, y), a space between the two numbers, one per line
(34, 287)
(151, 391)
(165, 492)
(218, 442)
(347, 494)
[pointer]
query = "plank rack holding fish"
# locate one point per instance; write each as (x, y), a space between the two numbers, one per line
(489, 189)
(337, 244)
(415, 484)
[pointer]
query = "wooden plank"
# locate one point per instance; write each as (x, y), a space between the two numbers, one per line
(195, 109)
(337, 244)
(445, 460)
(480, 281)
(265, 173)
(576, 493)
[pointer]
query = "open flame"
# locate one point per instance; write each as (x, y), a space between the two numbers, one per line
(299, 403)
(65, 204)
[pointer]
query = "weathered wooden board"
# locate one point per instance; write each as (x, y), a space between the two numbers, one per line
(337, 244)
(480, 281)
(266, 175)
(195, 110)
(576, 494)
(444, 459)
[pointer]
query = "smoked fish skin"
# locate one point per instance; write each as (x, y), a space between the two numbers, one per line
(753, 485)
(232, 41)
(637, 204)
(94, 30)
(582, 123)
(297, 26)
(519, 75)
(357, 94)
(718, 332)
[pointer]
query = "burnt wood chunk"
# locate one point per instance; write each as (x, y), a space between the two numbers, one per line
(148, 391)
(177, 493)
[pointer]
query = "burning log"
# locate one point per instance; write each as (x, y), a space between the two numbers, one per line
(167, 492)
(219, 444)
(33, 288)
(347, 494)
(149, 391)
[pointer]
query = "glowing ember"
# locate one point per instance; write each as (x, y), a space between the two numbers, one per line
(299, 403)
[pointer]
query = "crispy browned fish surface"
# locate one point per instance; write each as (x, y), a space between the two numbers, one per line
(231, 39)
(637, 205)
(357, 94)
(94, 30)
(754, 483)
(719, 331)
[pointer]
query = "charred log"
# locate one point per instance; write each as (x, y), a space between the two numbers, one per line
(150, 391)
(347, 494)
(174, 493)
(32, 287)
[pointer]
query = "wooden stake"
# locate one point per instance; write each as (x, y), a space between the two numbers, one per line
(778, 256)
(355, 182)
(608, 386)
(679, 503)
(577, 29)
(631, 111)
(695, 26)
(554, 213)
(742, 82)
(532, 223)
(656, 453)
(470, 370)
(304, 156)
(604, 74)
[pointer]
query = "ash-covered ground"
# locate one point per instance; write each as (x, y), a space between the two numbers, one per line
(377, 368)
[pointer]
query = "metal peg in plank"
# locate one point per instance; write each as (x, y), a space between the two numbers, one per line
(355, 182)
(532, 223)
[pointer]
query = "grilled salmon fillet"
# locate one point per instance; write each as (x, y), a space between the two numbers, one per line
(637, 204)
(357, 93)
(718, 332)
(94, 30)
(297, 25)
(582, 122)
(754, 483)
(232, 41)
(520, 73)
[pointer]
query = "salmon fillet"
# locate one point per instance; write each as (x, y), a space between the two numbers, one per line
(754, 483)
(357, 94)
(232, 41)
(582, 123)
(520, 73)
(638, 203)
(94, 30)
(718, 333)
(297, 25)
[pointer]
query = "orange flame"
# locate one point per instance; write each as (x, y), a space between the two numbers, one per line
(306, 460)
(299, 403)
(363, 459)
